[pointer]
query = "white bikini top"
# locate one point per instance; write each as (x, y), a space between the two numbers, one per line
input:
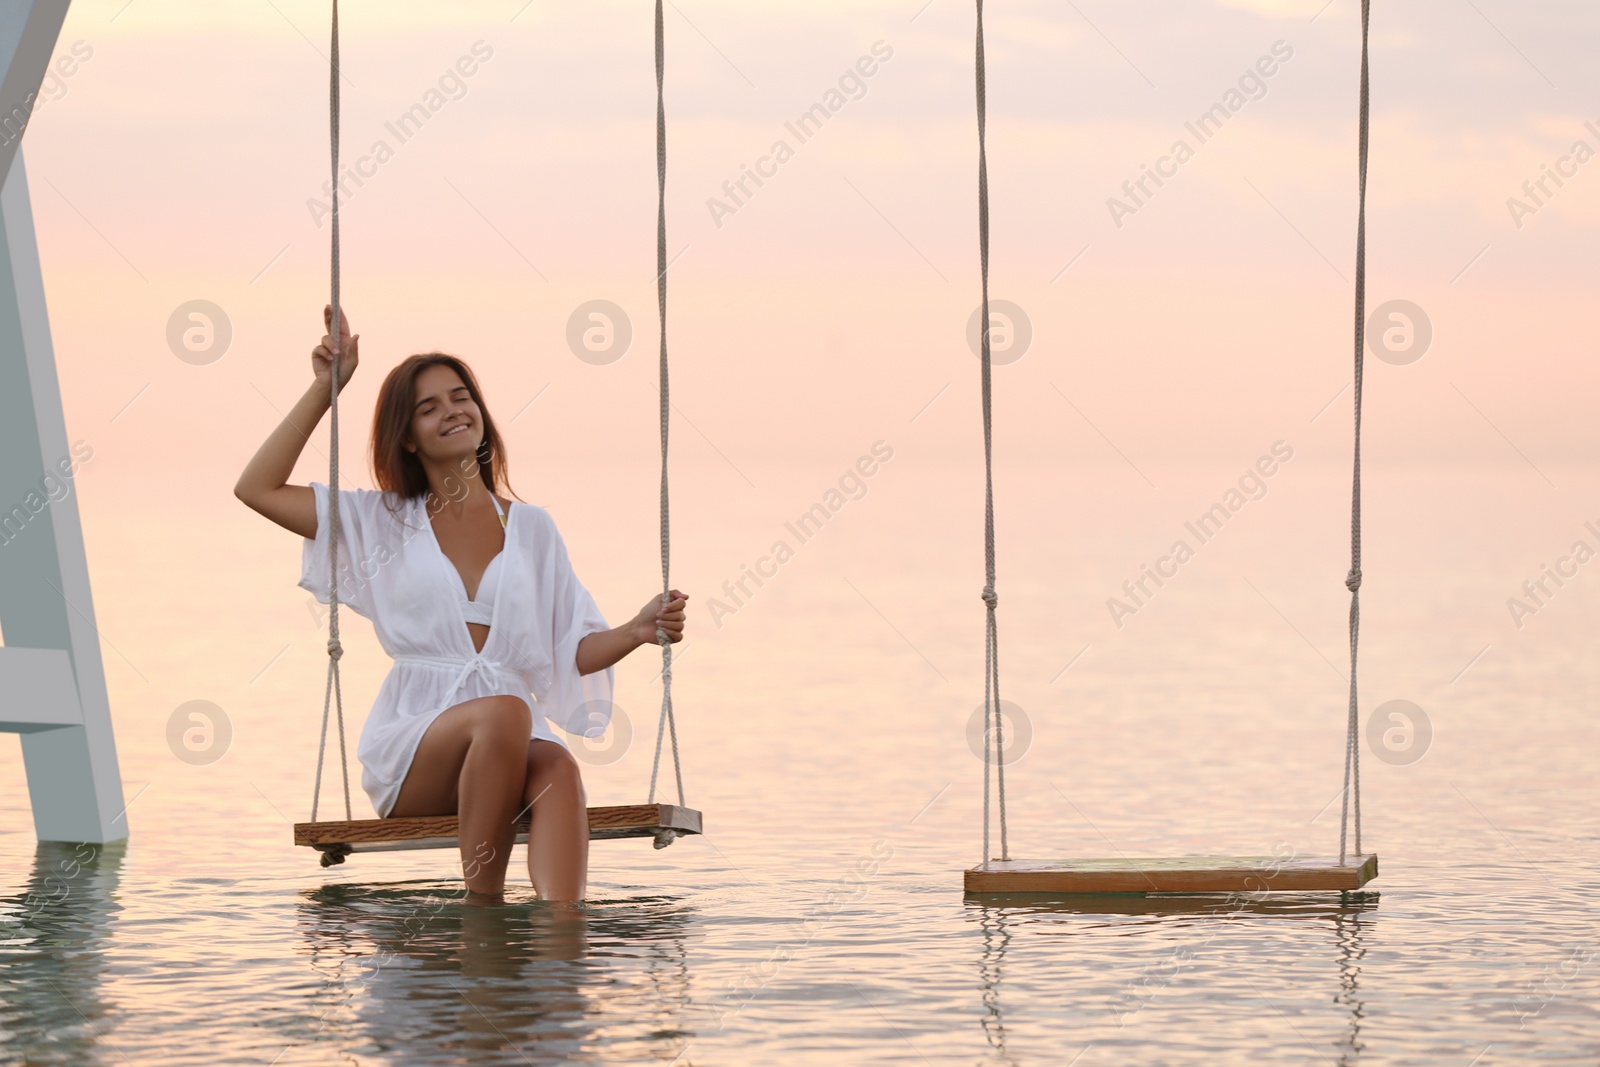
(481, 610)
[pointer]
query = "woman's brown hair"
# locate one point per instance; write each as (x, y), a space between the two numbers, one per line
(400, 472)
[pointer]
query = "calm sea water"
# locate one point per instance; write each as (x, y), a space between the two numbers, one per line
(824, 723)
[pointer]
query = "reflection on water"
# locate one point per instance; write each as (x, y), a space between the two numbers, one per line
(992, 921)
(1153, 920)
(1348, 929)
(53, 937)
(1225, 905)
(412, 970)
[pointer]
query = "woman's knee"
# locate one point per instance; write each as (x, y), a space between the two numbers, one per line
(552, 769)
(501, 720)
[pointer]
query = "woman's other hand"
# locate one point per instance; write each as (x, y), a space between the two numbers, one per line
(654, 616)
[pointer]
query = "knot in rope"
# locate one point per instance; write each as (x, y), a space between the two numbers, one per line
(335, 649)
(1352, 581)
(990, 597)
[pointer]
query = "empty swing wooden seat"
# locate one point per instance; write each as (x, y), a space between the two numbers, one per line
(1182, 874)
(336, 840)
(1351, 868)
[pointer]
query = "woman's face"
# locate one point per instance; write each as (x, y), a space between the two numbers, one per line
(446, 424)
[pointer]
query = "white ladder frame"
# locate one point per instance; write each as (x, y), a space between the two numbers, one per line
(52, 681)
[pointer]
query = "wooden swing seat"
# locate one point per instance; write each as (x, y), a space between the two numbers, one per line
(336, 840)
(1183, 874)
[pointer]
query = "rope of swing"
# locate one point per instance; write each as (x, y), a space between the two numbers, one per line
(994, 740)
(668, 726)
(1351, 786)
(333, 695)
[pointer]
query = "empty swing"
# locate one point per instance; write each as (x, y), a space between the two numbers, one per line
(1351, 869)
(660, 821)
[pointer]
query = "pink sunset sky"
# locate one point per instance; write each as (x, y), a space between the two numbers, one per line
(181, 151)
(180, 160)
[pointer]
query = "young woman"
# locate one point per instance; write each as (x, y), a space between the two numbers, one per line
(475, 598)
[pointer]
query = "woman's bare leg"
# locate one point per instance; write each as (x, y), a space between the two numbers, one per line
(470, 763)
(558, 840)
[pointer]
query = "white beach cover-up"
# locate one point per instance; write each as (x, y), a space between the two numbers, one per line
(393, 572)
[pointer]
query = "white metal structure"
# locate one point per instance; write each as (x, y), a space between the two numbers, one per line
(52, 683)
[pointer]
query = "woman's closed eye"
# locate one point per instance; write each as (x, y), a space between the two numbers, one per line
(429, 406)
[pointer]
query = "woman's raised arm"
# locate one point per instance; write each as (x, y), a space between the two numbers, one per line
(263, 485)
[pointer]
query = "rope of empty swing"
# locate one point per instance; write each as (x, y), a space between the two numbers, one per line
(1352, 751)
(669, 725)
(333, 695)
(994, 739)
